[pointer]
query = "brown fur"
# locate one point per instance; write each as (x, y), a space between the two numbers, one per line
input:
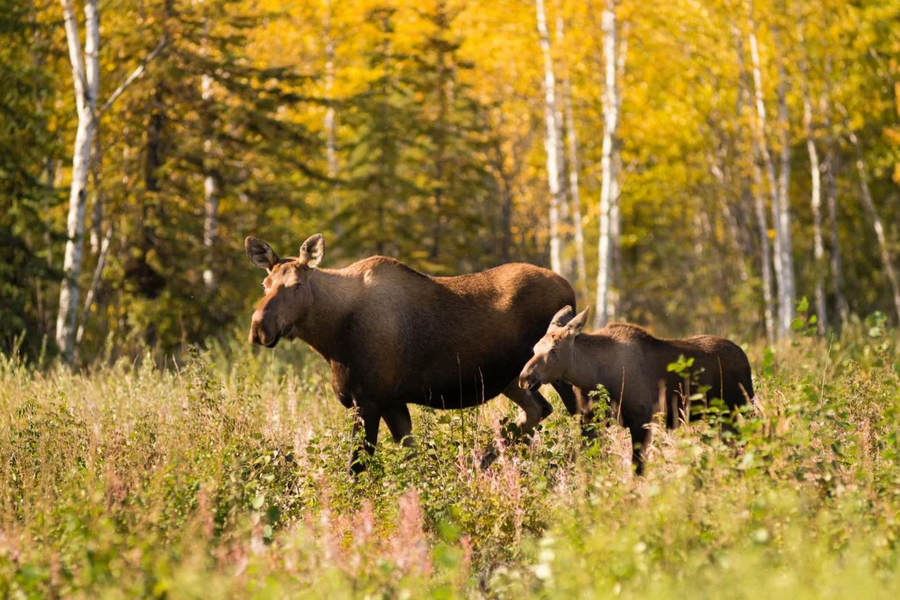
(394, 336)
(632, 365)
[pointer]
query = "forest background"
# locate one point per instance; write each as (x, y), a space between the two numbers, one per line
(691, 166)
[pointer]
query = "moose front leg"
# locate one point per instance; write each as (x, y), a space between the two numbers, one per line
(534, 408)
(366, 419)
(400, 424)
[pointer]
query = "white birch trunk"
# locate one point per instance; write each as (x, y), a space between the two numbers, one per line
(103, 252)
(766, 155)
(575, 192)
(574, 189)
(786, 258)
(884, 251)
(615, 207)
(759, 207)
(86, 75)
(551, 142)
(816, 204)
(210, 192)
(837, 274)
(831, 166)
(815, 170)
(330, 135)
(609, 187)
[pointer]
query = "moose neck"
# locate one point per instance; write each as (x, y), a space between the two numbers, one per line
(332, 292)
(584, 368)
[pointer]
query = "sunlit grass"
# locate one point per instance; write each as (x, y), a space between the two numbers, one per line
(226, 476)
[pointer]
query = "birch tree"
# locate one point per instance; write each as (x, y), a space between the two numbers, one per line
(831, 167)
(609, 186)
(787, 289)
(86, 79)
(785, 315)
(573, 166)
(551, 140)
(816, 194)
(210, 184)
(759, 202)
(869, 205)
(816, 204)
(329, 123)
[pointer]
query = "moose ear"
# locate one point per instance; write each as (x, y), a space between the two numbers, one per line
(563, 316)
(312, 250)
(577, 324)
(260, 253)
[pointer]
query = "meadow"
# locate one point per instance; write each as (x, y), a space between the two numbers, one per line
(223, 474)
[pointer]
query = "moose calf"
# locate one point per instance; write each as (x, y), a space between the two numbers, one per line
(633, 365)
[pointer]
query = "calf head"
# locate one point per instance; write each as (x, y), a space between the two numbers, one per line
(287, 297)
(555, 352)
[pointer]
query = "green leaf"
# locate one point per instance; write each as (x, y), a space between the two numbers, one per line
(803, 305)
(798, 323)
(258, 501)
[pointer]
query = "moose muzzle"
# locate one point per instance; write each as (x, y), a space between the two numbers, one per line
(259, 333)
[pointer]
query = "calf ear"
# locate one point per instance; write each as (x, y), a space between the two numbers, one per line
(260, 253)
(577, 324)
(563, 316)
(312, 250)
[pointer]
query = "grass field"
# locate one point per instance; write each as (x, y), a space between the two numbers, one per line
(224, 476)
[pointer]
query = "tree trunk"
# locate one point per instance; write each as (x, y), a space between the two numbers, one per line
(755, 191)
(785, 246)
(440, 142)
(831, 166)
(566, 210)
(86, 74)
(762, 146)
(759, 205)
(837, 274)
(889, 272)
(816, 203)
(330, 135)
(210, 188)
(551, 143)
(97, 208)
(615, 207)
(95, 283)
(816, 197)
(574, 190)
(609, 186)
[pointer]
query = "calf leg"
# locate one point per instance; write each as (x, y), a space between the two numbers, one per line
(369, 421)
(567, 395)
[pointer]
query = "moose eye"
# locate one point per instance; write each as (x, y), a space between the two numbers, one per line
(552, 352)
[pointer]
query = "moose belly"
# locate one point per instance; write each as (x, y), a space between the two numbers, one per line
(463, 387)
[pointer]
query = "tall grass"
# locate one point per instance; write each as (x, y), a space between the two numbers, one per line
(224, 474)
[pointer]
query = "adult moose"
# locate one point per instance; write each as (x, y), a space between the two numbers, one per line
(394, 336)
(633, 365)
